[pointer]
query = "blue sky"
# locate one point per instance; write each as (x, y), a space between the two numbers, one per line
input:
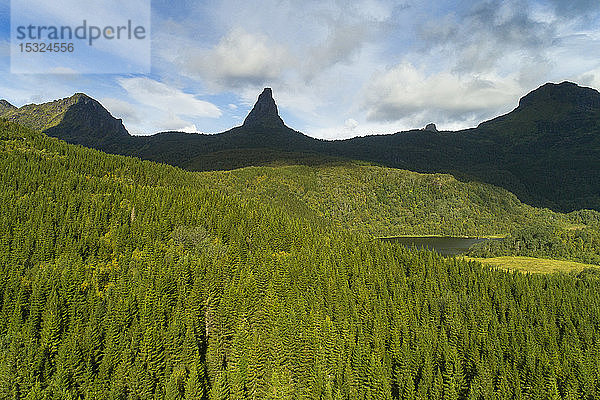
(337, 68)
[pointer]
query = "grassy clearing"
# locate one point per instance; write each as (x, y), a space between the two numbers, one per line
(534, 265)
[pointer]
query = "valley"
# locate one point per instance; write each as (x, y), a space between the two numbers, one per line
(300, 200)
(127, 278)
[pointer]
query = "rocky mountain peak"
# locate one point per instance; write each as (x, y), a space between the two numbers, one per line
(5, 105)
(562, 94)
(264, 111)
(77, 119)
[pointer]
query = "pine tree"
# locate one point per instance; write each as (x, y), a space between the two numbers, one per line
(194, 386)
(175, 388)
(51, 326)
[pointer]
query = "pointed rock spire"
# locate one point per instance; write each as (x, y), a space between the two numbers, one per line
(264, 112)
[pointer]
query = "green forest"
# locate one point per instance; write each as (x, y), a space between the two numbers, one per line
(127, 279)
(383, 202)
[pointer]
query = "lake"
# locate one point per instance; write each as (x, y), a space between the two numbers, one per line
(445, 245)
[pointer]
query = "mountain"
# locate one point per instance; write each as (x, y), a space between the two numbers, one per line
(264, 128)
(262, 139)
(5, 107)
(555, 111)
(546, 150)
(78, 119)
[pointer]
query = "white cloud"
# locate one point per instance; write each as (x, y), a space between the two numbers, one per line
(405, 91)
(364, 128)
(238, 60)
(189, 129)
(135, 118)
(341, 45)
(590, 78)
(164, 97)
(172, 122)
(385, 65)
(293, 43)
(122, 109)
(157, 106)
(351, 124)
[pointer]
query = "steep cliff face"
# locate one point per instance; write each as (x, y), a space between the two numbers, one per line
(264, 113)
(85, 121)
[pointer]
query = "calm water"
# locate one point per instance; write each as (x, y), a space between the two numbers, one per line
(445, 245)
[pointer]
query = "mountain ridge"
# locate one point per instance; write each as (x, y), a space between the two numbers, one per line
(265, 112)
(546, 150)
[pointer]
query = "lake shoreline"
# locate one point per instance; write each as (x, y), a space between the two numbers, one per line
(441, 237)
(445, 245)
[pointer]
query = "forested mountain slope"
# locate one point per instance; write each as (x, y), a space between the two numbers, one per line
(382, 202)
(127, 279)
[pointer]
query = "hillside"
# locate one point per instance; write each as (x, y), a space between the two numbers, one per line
(370, 199)
(545, 151)
(382, 202)
(121, 278)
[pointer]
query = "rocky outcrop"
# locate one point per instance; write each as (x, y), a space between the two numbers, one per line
(430, 128)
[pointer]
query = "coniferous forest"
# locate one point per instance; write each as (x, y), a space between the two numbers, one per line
(126, 279)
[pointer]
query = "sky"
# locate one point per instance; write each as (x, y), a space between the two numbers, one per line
(338, 69)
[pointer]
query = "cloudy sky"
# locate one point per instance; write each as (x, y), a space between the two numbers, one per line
(337, 68)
